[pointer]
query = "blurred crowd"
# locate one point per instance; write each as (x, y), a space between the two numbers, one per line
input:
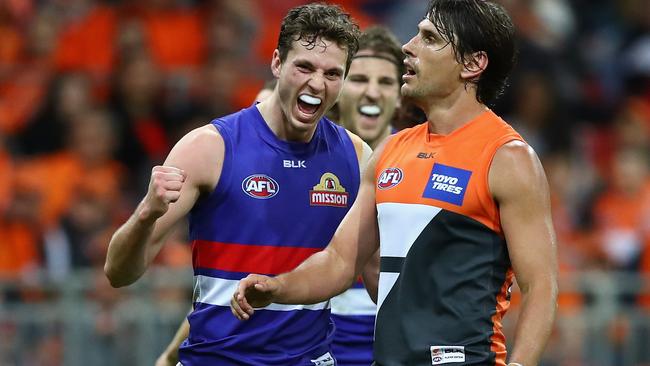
(94, 93)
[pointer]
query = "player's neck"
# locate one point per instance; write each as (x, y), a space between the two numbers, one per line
(374, 143)
(279, 124)
(448, 114)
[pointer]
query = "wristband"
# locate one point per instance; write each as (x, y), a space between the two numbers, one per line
(514, 364)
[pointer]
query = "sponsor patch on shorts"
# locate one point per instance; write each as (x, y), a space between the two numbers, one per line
(324, 360)
(447, 354)
(447, 184)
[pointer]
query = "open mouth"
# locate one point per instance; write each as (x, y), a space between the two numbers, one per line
(370, 110)
(308, 104)
(410, 71)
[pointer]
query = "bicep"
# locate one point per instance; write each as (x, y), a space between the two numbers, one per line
(357, 237)
(200, 155)
(519, 185)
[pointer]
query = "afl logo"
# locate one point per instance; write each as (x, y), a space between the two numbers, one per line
(389, 178)
(260, 186)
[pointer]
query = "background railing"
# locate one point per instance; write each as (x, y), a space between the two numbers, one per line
(83, 321)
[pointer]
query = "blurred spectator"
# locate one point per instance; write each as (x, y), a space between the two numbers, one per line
(20, 230)
(87, 184)
(11, 39)
(23, 84)
(174, 34)
(86, 41)
(136, 103)
(68, 96)
(85, 166)
(6, 172)
(536, 114)
(621, 211)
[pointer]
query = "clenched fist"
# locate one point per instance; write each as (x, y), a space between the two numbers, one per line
(164, 188)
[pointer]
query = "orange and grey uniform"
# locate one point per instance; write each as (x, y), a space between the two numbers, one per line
(445, 270)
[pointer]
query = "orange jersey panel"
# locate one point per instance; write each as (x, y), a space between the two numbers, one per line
(435, 167)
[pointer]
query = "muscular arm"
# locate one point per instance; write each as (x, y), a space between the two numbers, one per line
(193, 166)
(518, 183)
(326, 273)
(370, 273)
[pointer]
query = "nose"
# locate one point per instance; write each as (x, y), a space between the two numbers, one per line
(316, 82)
(372, 91)
(407, 48)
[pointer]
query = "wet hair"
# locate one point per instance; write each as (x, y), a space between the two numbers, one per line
(313, 22)
(471, 26)
(382, 42)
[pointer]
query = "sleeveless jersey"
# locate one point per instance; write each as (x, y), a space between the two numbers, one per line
(353, 313)
(445, 271)
(276, 203)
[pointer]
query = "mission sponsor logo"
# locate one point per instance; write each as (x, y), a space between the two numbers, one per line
(389, 178)
(329, 192)
(447, 354)
(260, 186)
(447, 184)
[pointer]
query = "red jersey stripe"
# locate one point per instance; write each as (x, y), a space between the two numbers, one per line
(263, 259)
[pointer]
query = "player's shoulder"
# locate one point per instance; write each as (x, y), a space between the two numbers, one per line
(200, 152)
(515, 168)
(203, 137)
(204, 144)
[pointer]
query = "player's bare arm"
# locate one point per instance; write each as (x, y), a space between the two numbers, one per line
(326, 273)
(370, 273)
(192, 167)
(169, 357)
(519, 185)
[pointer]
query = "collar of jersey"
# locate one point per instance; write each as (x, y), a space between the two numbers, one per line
(267, 135)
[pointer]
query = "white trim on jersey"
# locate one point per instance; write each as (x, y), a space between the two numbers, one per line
(218, 291)
(354, 301)
(400, 224)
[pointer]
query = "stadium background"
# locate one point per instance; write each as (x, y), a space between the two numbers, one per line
(93, 93)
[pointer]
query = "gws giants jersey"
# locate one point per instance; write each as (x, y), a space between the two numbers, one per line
(445, 270)
(276, 204)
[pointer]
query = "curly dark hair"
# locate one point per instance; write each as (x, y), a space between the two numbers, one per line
(476, 25)
(313, 22)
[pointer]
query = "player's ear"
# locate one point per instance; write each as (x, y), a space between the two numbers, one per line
(276, 63)
(474, 65)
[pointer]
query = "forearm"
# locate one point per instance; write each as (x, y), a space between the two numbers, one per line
(371, 276)
(126, 259)
(171, 352)
(535, 323)
(319, 278)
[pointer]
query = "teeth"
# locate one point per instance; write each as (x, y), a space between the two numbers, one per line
(370, 110)
(309, 99)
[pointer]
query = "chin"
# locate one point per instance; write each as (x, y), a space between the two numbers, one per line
(300, 125)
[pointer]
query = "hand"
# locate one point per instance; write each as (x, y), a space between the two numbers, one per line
(164, 188)
(254, 291)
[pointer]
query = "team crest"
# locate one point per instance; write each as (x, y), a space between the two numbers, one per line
(389, 178)
(329, 192)
(260, 186)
